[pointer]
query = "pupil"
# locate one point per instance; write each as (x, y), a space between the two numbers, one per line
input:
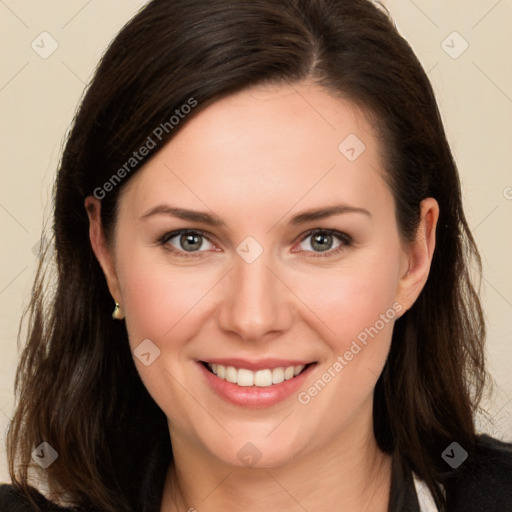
(193, 239)
(324, 246)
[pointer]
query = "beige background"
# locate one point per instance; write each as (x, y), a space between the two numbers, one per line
(38, 97)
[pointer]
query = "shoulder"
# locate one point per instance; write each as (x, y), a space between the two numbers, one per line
(14, 500)
(483, 482)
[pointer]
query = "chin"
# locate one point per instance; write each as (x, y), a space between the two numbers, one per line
(257, 452)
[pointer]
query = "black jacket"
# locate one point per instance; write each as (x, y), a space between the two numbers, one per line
(482, 483)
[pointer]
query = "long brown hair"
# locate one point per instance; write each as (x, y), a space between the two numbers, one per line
(77, 385)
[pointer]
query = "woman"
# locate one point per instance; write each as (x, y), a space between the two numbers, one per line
(265, 195)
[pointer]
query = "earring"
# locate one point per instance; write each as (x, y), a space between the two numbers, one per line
(117, 313)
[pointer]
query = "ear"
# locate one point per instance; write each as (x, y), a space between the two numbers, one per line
(100, 247)
(418, 255)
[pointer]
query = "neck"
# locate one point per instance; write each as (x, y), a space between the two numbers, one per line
(351, 474)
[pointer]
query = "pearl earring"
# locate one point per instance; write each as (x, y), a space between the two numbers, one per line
(117, 313)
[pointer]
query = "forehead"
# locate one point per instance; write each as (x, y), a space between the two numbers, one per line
(266, 147)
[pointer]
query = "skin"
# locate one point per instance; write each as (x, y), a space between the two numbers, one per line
(255, 159)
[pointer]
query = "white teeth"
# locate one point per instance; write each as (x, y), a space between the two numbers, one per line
(261, 378)
(288, 373)
(220, 371)
(231, 374)
(277, 375)
(245, 377)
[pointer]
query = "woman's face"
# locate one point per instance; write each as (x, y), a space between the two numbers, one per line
(251, 288)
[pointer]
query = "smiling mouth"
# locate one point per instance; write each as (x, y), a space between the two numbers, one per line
(260, 378)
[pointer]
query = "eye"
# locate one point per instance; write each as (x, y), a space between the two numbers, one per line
(322, 241)
(184, 241)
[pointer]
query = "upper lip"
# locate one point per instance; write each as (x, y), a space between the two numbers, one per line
(257, 364)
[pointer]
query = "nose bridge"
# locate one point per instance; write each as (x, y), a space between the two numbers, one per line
(255, 303)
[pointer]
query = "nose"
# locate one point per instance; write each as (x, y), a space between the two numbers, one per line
(257, 303)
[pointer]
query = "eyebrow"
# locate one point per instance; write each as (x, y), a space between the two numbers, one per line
(211, 220)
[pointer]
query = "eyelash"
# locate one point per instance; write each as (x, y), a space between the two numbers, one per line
(343, 237)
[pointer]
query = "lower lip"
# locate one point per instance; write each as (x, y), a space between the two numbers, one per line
(255, 396)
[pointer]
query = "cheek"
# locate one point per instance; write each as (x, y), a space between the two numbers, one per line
(160, 300)
(158, 292)
(162, 303)
(353, 298)
(358, 307)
